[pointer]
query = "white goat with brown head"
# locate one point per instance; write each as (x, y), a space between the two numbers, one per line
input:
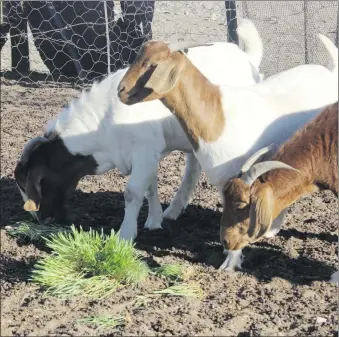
(255, 201)
(227, 125)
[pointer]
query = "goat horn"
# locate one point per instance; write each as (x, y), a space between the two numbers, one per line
(258, 169)
(29, 147)
(180, 45)
(250, 161)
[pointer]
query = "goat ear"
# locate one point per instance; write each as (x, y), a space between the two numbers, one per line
(20, 174)
(33, 189)
(164, 77)
(261, 214)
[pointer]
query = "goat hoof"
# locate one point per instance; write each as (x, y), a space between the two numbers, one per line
(152, 225)
(126, 233)
(335, 278)
(172, 213)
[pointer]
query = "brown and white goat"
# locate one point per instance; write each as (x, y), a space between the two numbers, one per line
(226, 125)
(255, 201)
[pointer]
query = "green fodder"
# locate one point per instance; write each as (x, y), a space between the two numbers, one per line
(34, 231)
(104, 321)
(174, 271)
(183, 290)
(88, 263)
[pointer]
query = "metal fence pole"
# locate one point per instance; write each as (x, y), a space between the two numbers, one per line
(231, 18)
(306, 31)
(108, 42)
(336, 38)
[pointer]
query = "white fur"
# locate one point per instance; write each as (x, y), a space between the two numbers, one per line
(268, 112)
(335, 277)
(233, 259)
(135, 138)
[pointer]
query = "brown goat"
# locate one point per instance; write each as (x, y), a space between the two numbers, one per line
(261, 194)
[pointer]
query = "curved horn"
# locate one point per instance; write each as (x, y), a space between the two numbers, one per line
(258, 169)
(180, 45)
(250, 161)
(29, 147)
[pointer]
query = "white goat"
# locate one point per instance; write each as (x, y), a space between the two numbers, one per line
(131, 139)
(227, 125)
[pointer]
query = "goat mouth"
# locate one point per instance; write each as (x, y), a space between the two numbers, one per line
(128, 98)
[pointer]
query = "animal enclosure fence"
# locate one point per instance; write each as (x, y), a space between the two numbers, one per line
(84, 40)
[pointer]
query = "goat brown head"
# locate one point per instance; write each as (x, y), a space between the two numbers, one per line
(248, 209)
(154, 72)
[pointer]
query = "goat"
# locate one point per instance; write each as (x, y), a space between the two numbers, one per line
(97, 132)
(256, 201)
(227, 125)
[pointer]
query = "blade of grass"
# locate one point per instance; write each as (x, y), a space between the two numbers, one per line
(174, 271)
(104, 321)
(33, 231)
(183, 290)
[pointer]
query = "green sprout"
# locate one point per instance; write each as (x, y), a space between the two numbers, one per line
(88, 263)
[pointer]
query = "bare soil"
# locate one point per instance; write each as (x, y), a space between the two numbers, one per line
(282, 290)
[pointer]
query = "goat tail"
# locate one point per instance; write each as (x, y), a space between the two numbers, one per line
(332, 51)
(253, 44)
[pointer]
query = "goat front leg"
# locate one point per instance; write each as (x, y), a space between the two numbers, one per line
(233, 259)
(144, 168)
(154, 218)
(276, 225)
(186, 188)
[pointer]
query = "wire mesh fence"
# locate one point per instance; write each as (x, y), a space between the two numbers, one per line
(84, 40)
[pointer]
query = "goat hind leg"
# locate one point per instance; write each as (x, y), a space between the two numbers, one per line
(186, 188)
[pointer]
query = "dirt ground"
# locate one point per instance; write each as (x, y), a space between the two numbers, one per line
(282, 290)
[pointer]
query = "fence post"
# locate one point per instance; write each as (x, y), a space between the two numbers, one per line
(306, 31)
(336, 38)
(108, 41)
(231, 18)
(17, 19)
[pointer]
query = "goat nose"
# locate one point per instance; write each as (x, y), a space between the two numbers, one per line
(121, 88)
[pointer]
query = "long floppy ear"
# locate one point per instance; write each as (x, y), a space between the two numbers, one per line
(33, 189)
(164, 76)
(261, 211)
(20, 174)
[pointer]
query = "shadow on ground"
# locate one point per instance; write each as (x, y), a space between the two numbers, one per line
(193, 237)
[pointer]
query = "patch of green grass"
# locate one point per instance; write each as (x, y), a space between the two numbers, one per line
(170, 271)
(88, 263)
(33, 231)
(104, 321)
(173, 271)
(183, 289)
(94, 265)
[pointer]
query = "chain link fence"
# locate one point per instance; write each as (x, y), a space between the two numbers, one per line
(84, 40)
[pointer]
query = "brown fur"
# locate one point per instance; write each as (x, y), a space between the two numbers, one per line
(313, 151)
(159, 74)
